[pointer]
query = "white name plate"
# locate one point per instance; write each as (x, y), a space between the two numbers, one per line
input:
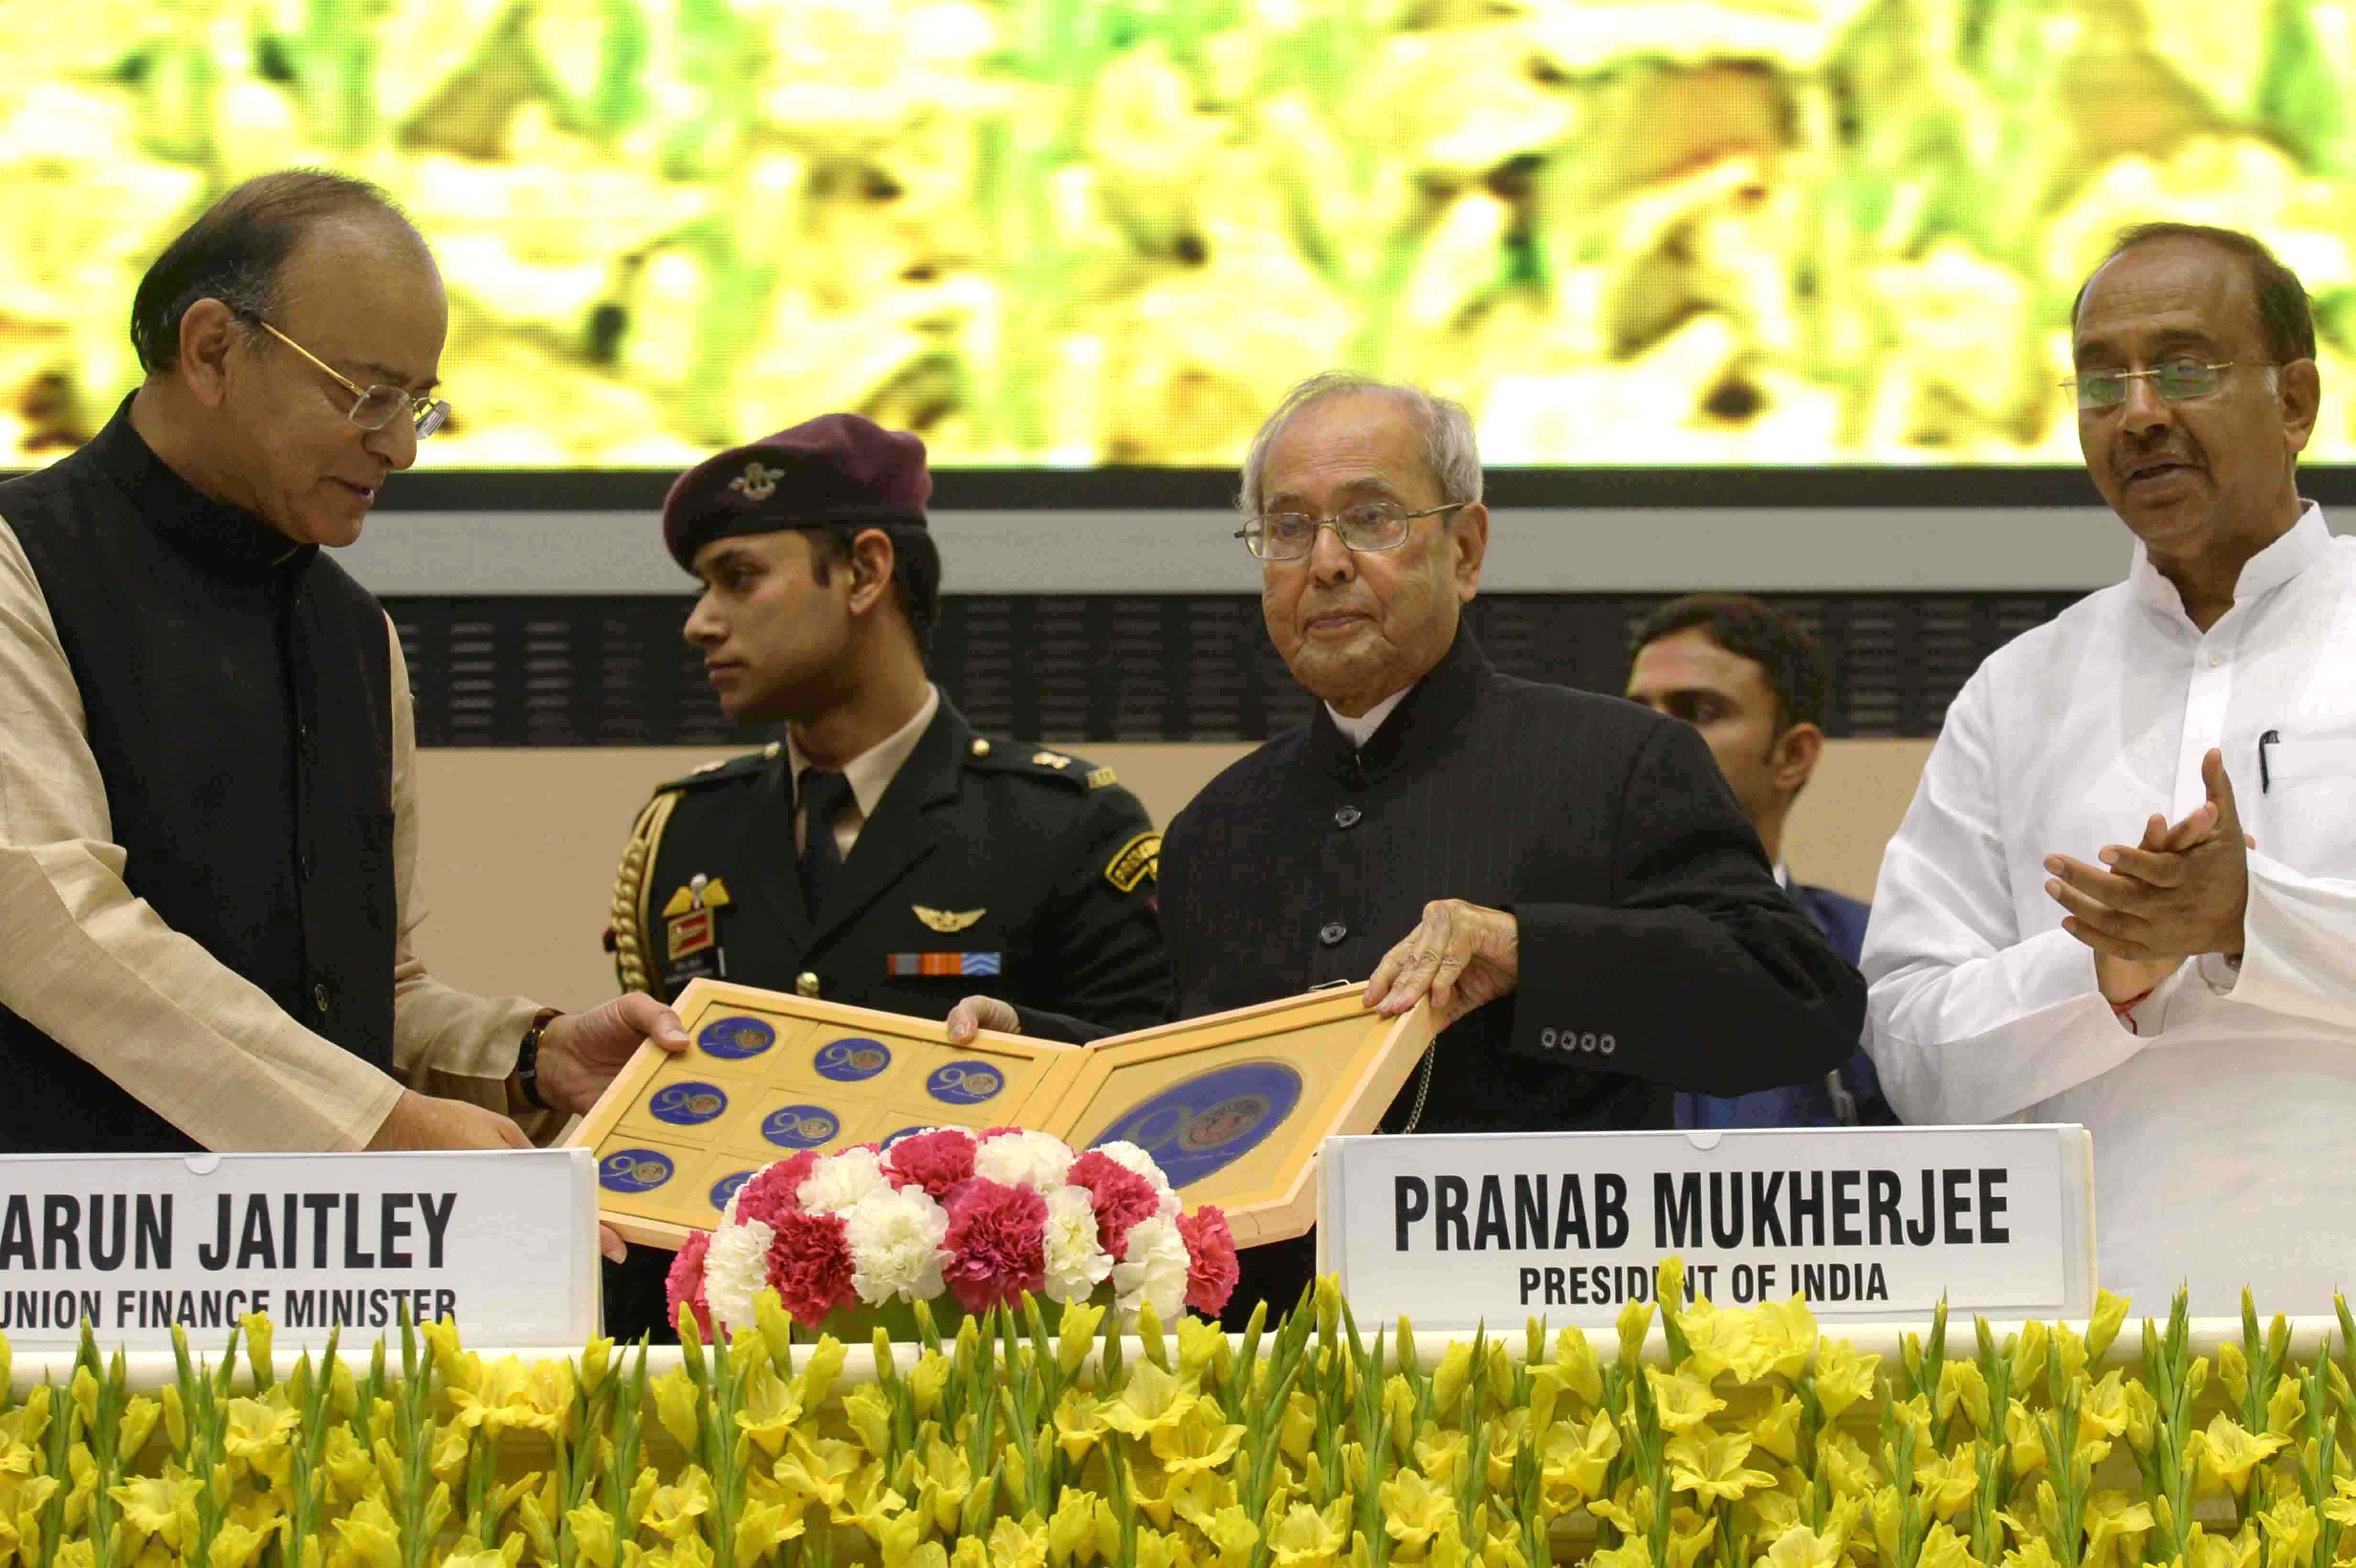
(503, 1243)
(1866, 1222)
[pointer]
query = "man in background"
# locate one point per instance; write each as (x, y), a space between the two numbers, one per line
(1756, 686)
(881, 854)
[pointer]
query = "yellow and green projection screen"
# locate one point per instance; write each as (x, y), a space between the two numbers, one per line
(1065, 233)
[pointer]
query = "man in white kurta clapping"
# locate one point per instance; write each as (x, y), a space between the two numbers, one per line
(2125, 894)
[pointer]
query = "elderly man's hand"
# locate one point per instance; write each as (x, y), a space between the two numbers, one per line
(975, 1014)
(580, 1052)
(1463, 956)
(2183, 898)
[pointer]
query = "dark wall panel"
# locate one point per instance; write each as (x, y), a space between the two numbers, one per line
(613, 671)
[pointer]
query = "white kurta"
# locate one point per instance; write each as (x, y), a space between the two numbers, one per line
(2224, 1123)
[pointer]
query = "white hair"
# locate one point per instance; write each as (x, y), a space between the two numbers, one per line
(1449, 448)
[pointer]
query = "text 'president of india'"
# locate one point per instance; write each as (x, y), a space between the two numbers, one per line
(1581, 898)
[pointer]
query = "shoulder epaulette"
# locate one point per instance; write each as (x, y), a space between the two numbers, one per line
(1041, 762)
(723, 769)
(631, 886)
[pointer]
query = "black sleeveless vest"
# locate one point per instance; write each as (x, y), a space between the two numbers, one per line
(238, 694)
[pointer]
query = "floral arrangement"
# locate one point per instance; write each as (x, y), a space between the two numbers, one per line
(984, 1217)
(1734, 1438)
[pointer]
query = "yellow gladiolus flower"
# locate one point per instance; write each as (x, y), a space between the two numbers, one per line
(821, 1470)
(2116, 1526)
(1962, 1383)
(1450, 1378)
(1573, 1461)
(593, 1534)
(1078, 1334)
(672, 1512)
(2289, 1524)
(1683, 1401)
(153, 1504)
(369, 1536)
(2025, 1438)
(867, 1409)
(2226, 1451)
(1079, 1423)
(926, 1380)
(2110, 1312)
(2034, 1554)
(1784, 1337)
(677, 1405)
(1574, 1362)
(1201, 1347)
(1777, 1428)
(254, 1429)
(821, 1367)
(1635, 1326)
(1942, 1548)
(507, 1395)
(1843, 1377)
(468, 1553)
(1232, 1535)
(1800, 1547)
(1022, 1544)
(762, 1527)
(2237, 1551)
(771, 1407)
(1442, 1455)
(2340, 1507)
(1305, 1538)
(1631, 1512)
(1712, 1470)
(1718, 1338)
(1690, 1535)
(942, 1483)
(1946, 1481)
(1203, 1441)
(1413, 1509)
(1151, 1401)
(2285, 1408)
(236, 1544)
(1633, 1552)
(1298, 1428)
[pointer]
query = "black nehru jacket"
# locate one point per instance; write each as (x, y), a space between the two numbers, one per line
(1658, 953)
(238, 695)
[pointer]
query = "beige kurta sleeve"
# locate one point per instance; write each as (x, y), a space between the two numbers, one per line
(445, 1041)
(97, 969)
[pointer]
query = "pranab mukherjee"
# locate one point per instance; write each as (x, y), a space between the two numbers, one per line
(1565, 874)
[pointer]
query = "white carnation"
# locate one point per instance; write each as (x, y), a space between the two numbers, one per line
(736, 1272)
(1039, 1161)
(895, 1245)
(837, 1183)
(1154, 1271)
(1075, 1265)
(1123, 1153)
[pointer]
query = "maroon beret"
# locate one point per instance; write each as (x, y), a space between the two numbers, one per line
(836, 468)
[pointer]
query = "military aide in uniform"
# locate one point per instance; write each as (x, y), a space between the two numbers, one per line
(1607, 932)
(882, 854)
(207, 759)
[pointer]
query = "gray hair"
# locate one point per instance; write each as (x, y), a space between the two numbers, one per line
(1449, 445)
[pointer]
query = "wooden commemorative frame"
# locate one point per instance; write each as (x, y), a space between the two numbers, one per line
(1235, 1107)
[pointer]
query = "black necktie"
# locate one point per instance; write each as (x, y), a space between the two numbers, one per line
(823, 796)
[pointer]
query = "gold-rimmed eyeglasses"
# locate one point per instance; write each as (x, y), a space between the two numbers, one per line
(375, 406)
(2175, 381)
(1366, 526)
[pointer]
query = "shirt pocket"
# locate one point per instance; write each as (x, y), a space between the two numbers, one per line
(2304, 815)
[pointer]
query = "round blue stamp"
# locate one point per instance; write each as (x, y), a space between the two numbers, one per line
(1206, 1122)
(965, 1083)
(800, 1127)
(725, 1188)
(850, 1059)
(688, 1104)
(633, 1170)
(734, 1039)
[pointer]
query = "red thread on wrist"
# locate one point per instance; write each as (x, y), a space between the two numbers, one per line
(2123, 1011)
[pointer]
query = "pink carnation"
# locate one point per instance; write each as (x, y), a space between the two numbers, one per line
(938, 1162)
(809, 1265)
(1210, 1266)
(770, 1195)
(996, 1243)
(988, 1133)
(1121, 1197)
(686, 1281)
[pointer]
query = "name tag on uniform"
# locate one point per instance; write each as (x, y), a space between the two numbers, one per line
(1869, 1223)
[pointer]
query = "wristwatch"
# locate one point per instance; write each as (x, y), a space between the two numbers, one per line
(528, 1058)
